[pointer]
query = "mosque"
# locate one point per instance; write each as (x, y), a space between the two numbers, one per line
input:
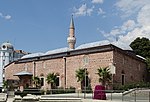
(126, 67)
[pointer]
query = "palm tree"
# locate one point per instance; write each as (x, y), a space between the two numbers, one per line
(104, 75)
(80, 74)
(5, 84)
(52, 79)
(36, 81)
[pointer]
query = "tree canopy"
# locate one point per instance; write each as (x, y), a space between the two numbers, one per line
(141, 46)
(52, 79)
(80, 75)
(104, 75)
(36, 81)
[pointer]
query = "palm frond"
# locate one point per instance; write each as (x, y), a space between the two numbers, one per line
(104, 74)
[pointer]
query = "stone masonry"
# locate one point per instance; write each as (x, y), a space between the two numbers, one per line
(128, 64)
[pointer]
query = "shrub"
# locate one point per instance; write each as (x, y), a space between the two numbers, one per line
(131, 86)
(33, 91)
(23, 94)
(88, 90)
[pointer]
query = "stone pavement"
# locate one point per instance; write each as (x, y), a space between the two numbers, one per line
(92, 100)
(115, 97)
(10, 99)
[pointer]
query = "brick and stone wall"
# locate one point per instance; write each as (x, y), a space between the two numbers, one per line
(132, 67)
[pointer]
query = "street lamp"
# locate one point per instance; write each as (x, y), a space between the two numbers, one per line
(112, 70)
(85, 63)
(85, 71)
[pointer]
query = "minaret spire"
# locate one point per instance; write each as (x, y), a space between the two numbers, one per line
(72, 23)
(71, 39)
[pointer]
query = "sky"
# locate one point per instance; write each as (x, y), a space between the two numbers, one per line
(43, 25)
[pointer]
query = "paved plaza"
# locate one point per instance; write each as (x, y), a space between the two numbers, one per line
(135, 96)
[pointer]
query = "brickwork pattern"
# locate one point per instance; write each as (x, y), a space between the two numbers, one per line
(133, 69)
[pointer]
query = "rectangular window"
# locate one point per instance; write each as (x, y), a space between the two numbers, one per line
(57, 81)
(123, 79)
(3, 53)
(10, 57)
(42, 81)
(87, 81)
(3, 62)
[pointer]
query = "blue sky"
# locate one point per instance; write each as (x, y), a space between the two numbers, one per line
(43, 25)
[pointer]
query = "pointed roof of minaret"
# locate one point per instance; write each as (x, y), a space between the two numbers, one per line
(72, 22)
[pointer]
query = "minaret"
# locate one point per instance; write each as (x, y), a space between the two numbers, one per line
(71, 39)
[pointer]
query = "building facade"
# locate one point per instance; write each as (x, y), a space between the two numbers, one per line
(125, 65)
(7, 55)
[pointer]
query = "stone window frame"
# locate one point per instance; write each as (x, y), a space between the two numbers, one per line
(44, 64)
(139, 66)
(85, 59)
(25, 66)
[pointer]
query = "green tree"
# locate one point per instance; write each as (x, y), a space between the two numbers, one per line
(36, 81)
(104, 75)
(141, 46)
(5, 84)
(52, 79)
(80, 75)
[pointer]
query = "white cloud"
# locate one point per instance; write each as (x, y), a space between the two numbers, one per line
(129, 7)
(122, 30)
(144, 15)
(136, 22)
(131, 29)
(83, 11)
(115, 32)
(128, 25)
(97, 1)
(89, 11)
(100, 11)
(124, 41)
(6, 17)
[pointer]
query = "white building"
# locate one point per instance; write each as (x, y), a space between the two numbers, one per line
(7, 55)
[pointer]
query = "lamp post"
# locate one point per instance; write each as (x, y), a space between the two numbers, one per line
(85, 83)
(112, 70)
(85, 63)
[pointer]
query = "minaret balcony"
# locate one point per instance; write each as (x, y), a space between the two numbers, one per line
(71, 39)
